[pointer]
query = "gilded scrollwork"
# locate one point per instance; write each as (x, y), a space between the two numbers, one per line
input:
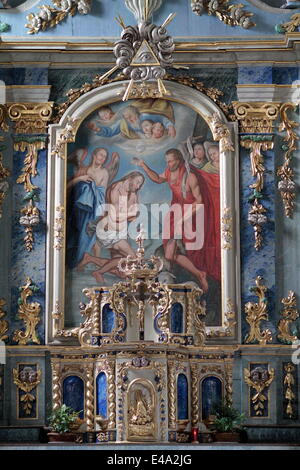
(259, 379)
(31, 147)
(4, 174)
(59, 228)
(29, 313)
(27, 379)
(256, 313)
(30, 215)
(3, 118)
(230, 14)
(289, 385)
(66, 136)
(49, 16)
(4, 325)
(289, 314)
(221, 132)
(289, 26)
(286, 185)
(256, 215)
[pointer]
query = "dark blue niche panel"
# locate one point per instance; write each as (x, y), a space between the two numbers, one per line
(101, 388)
(211, 395)
(182, 397)
(73, 393)
(176, 318)
(108, 319)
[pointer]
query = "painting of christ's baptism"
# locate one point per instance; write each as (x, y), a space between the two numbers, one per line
(148, 163)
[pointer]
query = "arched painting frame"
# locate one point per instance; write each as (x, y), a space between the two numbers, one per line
(57, 182)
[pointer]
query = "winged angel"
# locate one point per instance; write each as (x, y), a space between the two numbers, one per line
(86, 197)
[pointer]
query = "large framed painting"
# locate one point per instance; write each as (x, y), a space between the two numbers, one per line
(150, 164)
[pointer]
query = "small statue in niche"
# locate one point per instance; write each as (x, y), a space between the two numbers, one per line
(141, 412)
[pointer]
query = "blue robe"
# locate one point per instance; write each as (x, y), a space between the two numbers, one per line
(85, 204)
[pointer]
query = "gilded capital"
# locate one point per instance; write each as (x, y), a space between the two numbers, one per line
(256, 117)
(30, 118)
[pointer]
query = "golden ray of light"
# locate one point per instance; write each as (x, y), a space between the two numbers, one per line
(120, 21)
(168, 20)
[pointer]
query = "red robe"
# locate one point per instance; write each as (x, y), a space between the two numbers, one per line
(208, 258)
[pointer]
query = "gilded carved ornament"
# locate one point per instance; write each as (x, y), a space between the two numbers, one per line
(289, 385)
(230, 322)
(259, 379)
(226, 228)
(66, 136)
(289, 314)
(29, 313)
(286, 185)
(220, 132)
(52, 15)
(59, 228)
(257, 212)
(26, 380)
(289, 26)
(256, 313)
(230, 14)
(213, 93)
(4, 173)
(29, 118)
(3, 323)
(256, 117)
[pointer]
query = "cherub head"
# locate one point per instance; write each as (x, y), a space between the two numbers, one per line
(105, 113)
(158, 130)
(147, 127)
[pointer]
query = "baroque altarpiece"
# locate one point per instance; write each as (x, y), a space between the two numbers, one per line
(149, 217)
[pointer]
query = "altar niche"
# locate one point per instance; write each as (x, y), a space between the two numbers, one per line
(141, 411)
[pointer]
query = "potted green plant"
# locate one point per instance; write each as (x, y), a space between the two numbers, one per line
(227, 423)
(63, 421)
